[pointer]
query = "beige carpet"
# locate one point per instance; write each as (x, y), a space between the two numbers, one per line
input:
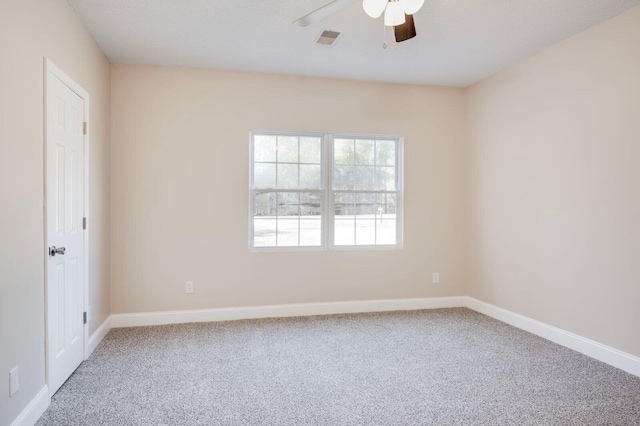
(439, 367)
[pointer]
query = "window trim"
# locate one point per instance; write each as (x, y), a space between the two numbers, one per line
(326, 188)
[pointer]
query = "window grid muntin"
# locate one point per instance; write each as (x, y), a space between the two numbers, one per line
(277, 137)
(278, 217)
(381, 200)
(355, 165)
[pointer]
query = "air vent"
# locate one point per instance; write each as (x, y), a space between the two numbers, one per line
(328, 38)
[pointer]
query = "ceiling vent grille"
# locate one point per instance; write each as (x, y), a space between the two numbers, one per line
(328, 38)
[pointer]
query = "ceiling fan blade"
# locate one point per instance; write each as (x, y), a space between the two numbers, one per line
(374, 8)
(323, 12)
(404, 32)
(412, 6)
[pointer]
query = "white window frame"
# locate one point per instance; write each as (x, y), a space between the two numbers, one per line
(327, 191)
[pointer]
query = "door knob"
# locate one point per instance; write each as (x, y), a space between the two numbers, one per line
(53, 250)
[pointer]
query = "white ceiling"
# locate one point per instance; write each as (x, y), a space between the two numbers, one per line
(459, 42)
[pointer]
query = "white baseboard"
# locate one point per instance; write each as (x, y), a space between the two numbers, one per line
(591, 348)
(32, 412)
(98, 335)
(278, 311)
(606, 354)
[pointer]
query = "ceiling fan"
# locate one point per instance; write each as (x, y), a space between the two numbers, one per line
(397, 14)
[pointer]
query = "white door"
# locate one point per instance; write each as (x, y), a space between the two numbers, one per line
(64, 210)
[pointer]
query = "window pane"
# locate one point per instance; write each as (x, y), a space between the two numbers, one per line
(264, 232)
(344, 232)
(364, 178)
(386, 219)
(344, 205)
(264, 175)
(366, 206)
(365, 152)
(343, 177)
(310, 177)
(310, 232)
(385, 178)
(288, 204)
(311, 204)
(387, 204)
(287, 149)
(343, 151)
(385, 153)
(288, 176)
(264, 148)
(264, 204)
(287, 232)
(386, 231)
(310, 150)
(365, 232)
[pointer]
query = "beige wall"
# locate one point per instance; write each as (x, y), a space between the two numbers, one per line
(555, 185)
(180, 144)
(29, 31)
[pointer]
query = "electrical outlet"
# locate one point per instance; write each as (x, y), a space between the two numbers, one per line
(14, 381)
(189, 287)
(436, 277)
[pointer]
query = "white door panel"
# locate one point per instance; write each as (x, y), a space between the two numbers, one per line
(65, 207)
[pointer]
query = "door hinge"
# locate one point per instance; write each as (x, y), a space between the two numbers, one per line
(84, 128)
(84, 223)
(84, 317)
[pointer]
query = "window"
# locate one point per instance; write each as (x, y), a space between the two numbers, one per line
(287, 193)
(323, 190)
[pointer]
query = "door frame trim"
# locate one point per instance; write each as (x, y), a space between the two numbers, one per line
(52, 71)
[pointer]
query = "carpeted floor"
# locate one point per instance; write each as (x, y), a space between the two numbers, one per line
(436, 367)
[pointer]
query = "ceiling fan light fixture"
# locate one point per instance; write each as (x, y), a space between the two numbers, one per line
(374, 8)
(394, 14)
(412, 6)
